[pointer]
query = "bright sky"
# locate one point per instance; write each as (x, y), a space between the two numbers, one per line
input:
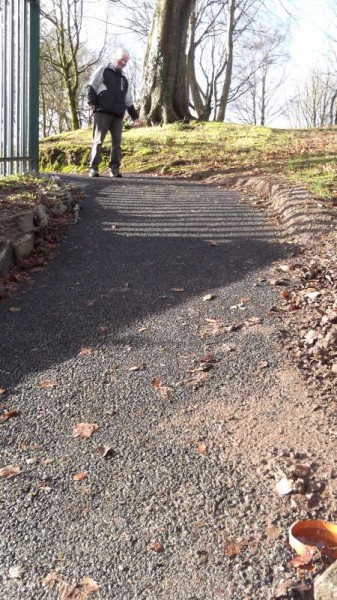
(309, 34)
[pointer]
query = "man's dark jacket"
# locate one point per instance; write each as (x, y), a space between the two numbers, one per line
(108, 91)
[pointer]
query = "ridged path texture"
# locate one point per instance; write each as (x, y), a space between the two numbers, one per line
(154, 519)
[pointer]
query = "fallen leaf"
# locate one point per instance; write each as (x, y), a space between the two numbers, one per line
(10, 471)
(284, 487)
(141, 329)
(285, 295)
(84, 430)
(140, 367)
(201, 448)
(47, 384)
(208, 297)
(51, 579)
(85, 352)
(244, 299)
(263, 364)
(91, 584)
(229, 348)
(104, 451)
(273, 532)
(80, 476)
(200, 524)
(301, 561)
(253, 321)
(79, 591)
(213, 328)
(9, 415)
(232, 549)
(207, 358)
(2, 391)
(177, 289)
(164, 392)
(156, 547)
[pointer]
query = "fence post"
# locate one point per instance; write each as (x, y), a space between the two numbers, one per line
(34, 72)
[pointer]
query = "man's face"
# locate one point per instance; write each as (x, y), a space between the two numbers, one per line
(121, 61)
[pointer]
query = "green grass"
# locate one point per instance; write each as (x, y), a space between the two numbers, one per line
(212, 151)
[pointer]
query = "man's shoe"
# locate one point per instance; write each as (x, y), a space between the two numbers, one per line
(114, 173)
(93, 173)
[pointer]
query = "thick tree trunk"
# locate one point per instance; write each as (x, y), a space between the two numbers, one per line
(165, 95)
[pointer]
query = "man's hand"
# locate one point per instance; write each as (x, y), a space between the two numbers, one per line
(138, 123)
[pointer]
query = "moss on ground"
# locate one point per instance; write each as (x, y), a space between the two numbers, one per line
(209, 151)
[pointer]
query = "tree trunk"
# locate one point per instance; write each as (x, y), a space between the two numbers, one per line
(165, 95)
(229, 69)
(195, 90)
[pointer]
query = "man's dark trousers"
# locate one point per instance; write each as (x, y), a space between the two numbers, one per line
(104, 122)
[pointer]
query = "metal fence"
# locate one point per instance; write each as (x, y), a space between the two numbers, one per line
(19, 77)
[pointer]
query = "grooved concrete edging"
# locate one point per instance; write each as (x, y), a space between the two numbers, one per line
(325, 586)
(17, 231)
(297, 212)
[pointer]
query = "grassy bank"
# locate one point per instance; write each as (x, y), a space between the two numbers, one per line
(211, 151)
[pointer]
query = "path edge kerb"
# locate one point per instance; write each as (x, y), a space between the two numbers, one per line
(298, 213)
(18, 231)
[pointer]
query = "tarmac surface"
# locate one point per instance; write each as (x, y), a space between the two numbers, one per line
(117, 324)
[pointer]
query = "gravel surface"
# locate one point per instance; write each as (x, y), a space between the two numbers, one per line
(198, 412)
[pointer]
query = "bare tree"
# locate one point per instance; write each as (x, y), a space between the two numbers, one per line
(62, 23)
(310, 105)
(138, 16)
(264, 55)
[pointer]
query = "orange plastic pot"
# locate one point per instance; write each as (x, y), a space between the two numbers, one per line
(306, 536)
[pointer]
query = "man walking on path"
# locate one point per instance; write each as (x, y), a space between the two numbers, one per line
(109, 97)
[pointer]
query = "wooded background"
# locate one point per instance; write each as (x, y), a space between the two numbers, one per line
(202, 58)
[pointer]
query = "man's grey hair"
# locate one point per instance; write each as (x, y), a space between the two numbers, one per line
(121, 52)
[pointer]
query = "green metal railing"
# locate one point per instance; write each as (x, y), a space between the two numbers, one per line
(19, 77)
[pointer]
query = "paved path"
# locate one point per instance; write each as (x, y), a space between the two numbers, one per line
(174, 475)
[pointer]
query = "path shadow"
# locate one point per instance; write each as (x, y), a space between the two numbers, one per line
(136, 242)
